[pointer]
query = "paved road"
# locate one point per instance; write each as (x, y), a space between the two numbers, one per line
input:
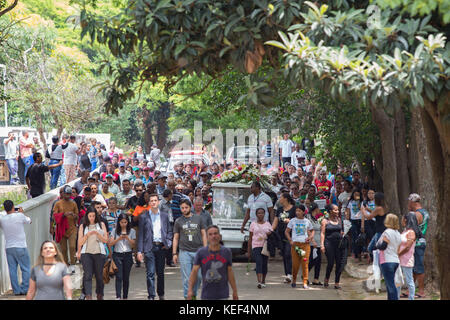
(276, 289)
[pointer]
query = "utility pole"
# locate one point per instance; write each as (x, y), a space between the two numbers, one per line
(4, 90)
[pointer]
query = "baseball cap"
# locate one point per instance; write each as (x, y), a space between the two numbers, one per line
(136, 168)
(121, 164)
(154, 145)
(161, 177)
(414, 197)
(68, 189)
(109, 176)
(146, 169)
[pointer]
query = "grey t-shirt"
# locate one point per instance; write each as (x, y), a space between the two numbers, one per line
(49, 287)
(190, 232)
(214, 269)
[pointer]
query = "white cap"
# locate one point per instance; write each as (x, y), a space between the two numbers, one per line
(414, 197)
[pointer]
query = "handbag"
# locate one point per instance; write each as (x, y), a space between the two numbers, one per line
(106, 277)
(344, 240)
(264, 250)
(112, 268)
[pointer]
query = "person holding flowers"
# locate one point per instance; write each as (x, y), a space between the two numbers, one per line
(333, 244)
(302, 234)
(259, 231)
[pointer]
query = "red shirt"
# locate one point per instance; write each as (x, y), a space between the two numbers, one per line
(323, 186)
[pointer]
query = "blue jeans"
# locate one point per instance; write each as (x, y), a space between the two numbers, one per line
(409, 279)
(373, 242)
(154, 263)
(287, 258)
(261, 260)
(124, 263)
(18, 256)
(355, 230)
(186, 264)
(55, 173)
(28, 161)
(388, 270)
(12, 168)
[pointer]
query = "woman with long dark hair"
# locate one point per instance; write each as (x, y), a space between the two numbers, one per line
(379, 213)
(92, 236)
(285, 212)
(123, 239)
(353, 212)
(315, 258)
(332, 244)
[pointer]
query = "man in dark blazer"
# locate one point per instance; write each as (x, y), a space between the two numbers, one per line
(155, 237)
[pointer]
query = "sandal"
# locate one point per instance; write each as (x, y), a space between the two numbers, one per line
(317, 283)
(325, 284)
(404, 295)
(418, 296)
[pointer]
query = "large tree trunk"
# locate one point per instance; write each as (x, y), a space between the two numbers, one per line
(422, 126)
(386, 126)
(162, 129)
(147, 123)
(437, 131)
(402, 160)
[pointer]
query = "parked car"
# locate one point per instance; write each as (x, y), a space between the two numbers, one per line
(184, 156)
(243, 154)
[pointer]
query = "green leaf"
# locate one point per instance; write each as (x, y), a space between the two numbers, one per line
(179, 49)
(276, 44)
(198, 44)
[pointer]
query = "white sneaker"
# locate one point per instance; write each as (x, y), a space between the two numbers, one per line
(259, 285)
(263, 285)
(288, 278)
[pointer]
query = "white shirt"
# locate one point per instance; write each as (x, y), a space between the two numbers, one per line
(395, 239)
(113, 189)
(299, 229)
(286, 148)
(343, 198)
(156, 223)
(295, 155)
(100, 199)
(122, 246)
(10, 149)
(260, 201)
(70, 154)
(12, 226)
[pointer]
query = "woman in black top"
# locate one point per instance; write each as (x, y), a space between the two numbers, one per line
(331, 236)
(284, 213)
(380, 214)
(83, 159)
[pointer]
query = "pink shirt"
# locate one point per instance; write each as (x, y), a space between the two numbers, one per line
(407, 259)
(260, 232)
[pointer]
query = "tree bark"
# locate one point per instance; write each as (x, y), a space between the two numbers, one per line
(162, 129)
(402, 160)
(437, 130)
(427, 188)
(386, 125)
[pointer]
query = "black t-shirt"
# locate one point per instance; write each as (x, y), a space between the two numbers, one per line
(85, 163)
(281, 228)
(36, 174)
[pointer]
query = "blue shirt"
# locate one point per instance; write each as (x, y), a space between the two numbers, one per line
(145, 181)
(156, 221)
(92, 153)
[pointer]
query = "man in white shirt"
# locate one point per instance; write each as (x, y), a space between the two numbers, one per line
(16, 246)
(11, 157)
(298, 157)
(285, 148)
(258, 199)
(70, 159)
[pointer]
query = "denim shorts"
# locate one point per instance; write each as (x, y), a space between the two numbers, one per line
(419, 253)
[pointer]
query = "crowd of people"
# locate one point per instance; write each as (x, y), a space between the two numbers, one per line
(131, 213)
